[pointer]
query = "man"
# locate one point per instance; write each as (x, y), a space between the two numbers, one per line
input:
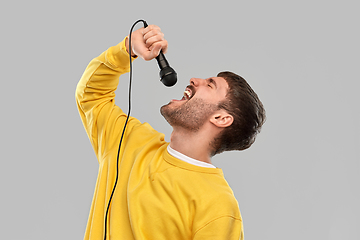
(165, 190)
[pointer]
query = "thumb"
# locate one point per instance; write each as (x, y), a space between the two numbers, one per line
(155, 51)
(151, 53)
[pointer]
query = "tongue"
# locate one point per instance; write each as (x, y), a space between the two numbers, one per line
(175, 100)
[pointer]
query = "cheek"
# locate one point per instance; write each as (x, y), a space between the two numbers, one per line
(209, 98)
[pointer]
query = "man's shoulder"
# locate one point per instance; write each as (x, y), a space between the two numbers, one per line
(213, 190)
(219, 202)
(221, 198)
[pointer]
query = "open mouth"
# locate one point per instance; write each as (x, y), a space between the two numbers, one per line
(188, 93)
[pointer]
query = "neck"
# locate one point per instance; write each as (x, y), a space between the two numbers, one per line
(194, 145)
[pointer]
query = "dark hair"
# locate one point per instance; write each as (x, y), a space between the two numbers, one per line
(248, 113)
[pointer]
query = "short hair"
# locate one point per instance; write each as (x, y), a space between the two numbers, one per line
(248, 112)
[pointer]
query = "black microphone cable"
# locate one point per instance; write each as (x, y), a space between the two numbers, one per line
(124, 129)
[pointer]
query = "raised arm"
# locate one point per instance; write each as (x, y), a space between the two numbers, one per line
(95, 92)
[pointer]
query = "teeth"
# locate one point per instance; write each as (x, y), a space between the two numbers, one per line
(187, 94)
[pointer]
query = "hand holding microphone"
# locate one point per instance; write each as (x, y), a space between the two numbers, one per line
(149, 43)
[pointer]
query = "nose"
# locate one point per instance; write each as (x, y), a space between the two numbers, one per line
(197, 81)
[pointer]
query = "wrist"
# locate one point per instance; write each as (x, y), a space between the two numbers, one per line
(130, 52)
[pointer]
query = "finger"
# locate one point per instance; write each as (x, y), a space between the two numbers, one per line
(150, 28)
(152, 36)
(155, 51)
(163, 45)
(156, 38)
(152, 32)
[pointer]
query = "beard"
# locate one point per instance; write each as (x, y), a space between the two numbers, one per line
(191, 115)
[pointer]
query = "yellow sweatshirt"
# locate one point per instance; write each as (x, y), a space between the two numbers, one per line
(158, 197)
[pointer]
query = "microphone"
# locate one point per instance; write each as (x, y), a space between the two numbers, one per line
(167, 74)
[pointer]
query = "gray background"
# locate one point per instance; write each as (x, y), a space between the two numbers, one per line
(300, 180)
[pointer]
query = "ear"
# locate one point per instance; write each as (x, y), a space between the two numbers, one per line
(222, 119)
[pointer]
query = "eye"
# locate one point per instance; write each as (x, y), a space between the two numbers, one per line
(211, 83)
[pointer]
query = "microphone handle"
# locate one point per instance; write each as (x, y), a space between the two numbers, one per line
(162, 60)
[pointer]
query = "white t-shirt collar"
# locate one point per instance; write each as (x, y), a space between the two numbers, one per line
(187, 159)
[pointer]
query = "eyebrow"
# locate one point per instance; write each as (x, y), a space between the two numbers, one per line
(211, 80)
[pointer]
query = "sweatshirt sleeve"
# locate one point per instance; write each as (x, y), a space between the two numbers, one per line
(222, 228)
(95, 94)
